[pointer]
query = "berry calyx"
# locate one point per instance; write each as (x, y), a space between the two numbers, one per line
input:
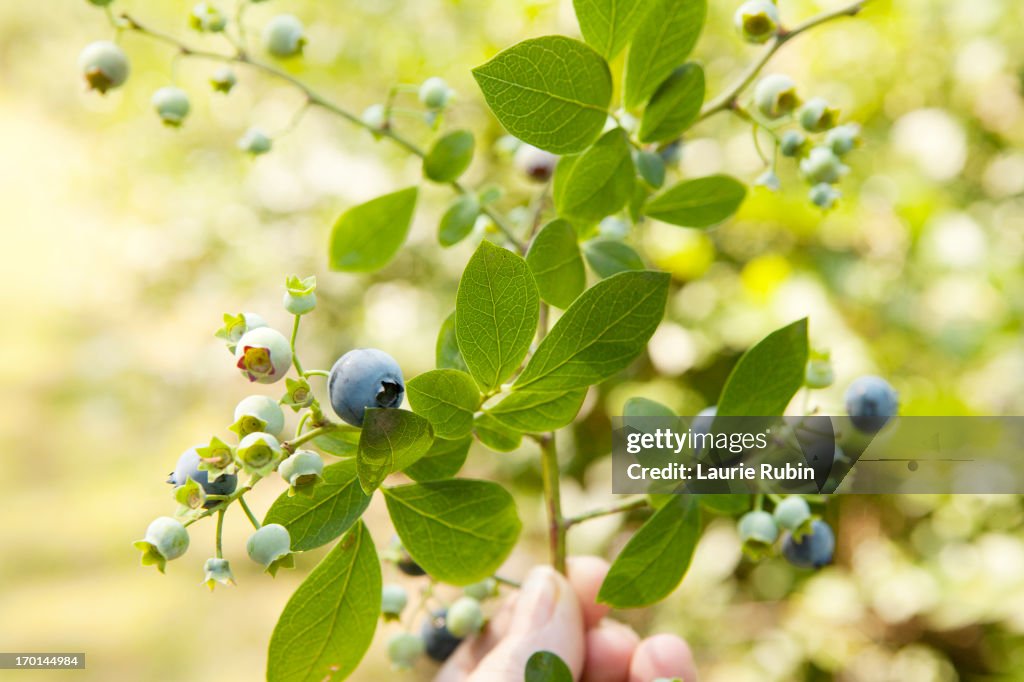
(263, 355)
(259, 453)
(223, 79)
(166, 539)
(104, 66)
(758, 532)
(236, 326)
(189, 468)
(300, 295)
(757, 20)
(536, 164)
(217, 571)
(775, 96)
(817, 116)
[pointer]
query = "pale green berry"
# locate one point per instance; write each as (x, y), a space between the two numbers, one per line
(217, 571)
(817, 116)
(263, 355)
(775, 95)
(434, 93)
(505, 146)
(485, 589)
(758, 527)
(374, 117)
(818, 373)
(223, 79)
(268, 544)
(824, 195)
(166, 539)
(206, 17)
(104, 65)
(465, 617)
(255, 142)
(302, 469)
(259, 453)
(393, 601)
(300, 295)
(265, 409)
(283, 36)
(404, 649)
(769, 180)
(822, 165)
(792, 143)
(757, 20)
(172, 105)
(792, 513)
(842, 139)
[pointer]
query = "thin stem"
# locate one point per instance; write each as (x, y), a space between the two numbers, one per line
(302, 422)
(620, 508)
(226, 503)
(316, 99)
(507, 581)
(248, 512)
(295, 335)
(316, 373)
(220, 533)
(290, 445)
(553, 497)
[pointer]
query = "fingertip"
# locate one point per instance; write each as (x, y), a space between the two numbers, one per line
(662, 655)
(609, 650)
(586, 573)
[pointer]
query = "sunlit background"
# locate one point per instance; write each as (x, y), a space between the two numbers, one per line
(125, 242)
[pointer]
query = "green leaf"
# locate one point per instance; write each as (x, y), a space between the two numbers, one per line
(496, 435)
(390, 441)
(449, 157)
(651, 168)
(444, 459)
(366, 237)
(460, 531)
(768, 375)
(698, 203)
(447, 398)
(495, 314)
(545, 666)
(600, 333)
(675, 105)
(552, 92)
(597, 182)
(726, 505)
(538, 411)
(337, 502)
(458, 221)
(642, 407)
(656, 558)
(328, 624)
(338, 443)
(446, 352)
(608, 25)
(662, 42)
(554, 258)
(607, 257)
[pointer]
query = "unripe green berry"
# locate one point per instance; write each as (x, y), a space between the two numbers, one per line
(769, 180)
(237, 326)
(300, 295)
(434, 93)
(269, 544)
(283, 36)
(223, 79)
(465, 617)
(792, 513)
(817, 116)
(393, 601)
(757, 20)
(255, 142)
(824, 195)
(263, 355)
(485, 589)
(104, 65)
(166, 539)
(404, 649)
(206, 17)
(818, 373)
(264, 409)
(374, 117)
(822, 165)
(758, 527)
(259, 453)
(302, 469)
(172, 105)
(792, 143)
(217, 571)
(775, 96)
(842, 139)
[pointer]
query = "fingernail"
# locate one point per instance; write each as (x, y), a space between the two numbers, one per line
(536, 602)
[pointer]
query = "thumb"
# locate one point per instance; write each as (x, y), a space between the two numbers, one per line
(546, 617)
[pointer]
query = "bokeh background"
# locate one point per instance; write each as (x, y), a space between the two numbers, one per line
(125, 242)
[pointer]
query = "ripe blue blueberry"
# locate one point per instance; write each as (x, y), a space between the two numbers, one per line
(672, 153)
(822, 166)
(300, 295)
(206, 17)
(263, 355)
(757, 20)
(270, 546)
(536, 164)
(871, 402)
(842, 139)
(302, 470)
(364, 378)
(283, 36)
(758, 528)
(104, 65)
(166, 539)
(813, 550)
(259, 453)
(775, 96)
(824, 195)
(188, 467)
(818, 373)
(265, 410)
(434, 93)
(393, 601)
(404, 649)
(439, 643)
(465, 617)
(217, 571)
(172, 105)
(223, 79)
(254, 141)
(817, 116)
(792, 143)
(792, 513)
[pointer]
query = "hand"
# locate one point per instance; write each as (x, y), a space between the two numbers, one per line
(561, 615)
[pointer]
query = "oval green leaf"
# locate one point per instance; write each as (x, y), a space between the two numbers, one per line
(675, 105)
(328, 624)
(460, 531)
(662, 42)
(597, 182)
(446, 351)
(366, 237)
(545, 666)
(554, 258)
(538, 411)
(643, 407)
(390, 441)
(447, 398)
(552, 92)
(449, 157)
(458, 221)
(698, 203)
(607, 25)
(496, 435)
(607, 257)
(444, 459)
(767, 376)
